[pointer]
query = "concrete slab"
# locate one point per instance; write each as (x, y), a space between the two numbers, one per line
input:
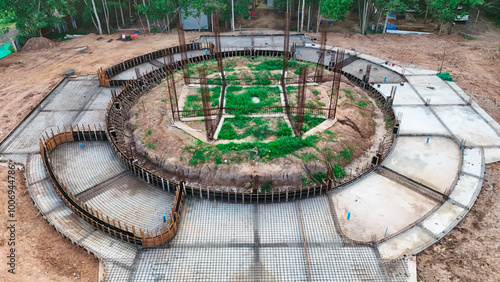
(131, 74)
(405, 243)
(414, 71)
(466, 190)
(320, 127)
(435, 89)
(472, 162)
(443, 219)
(434, 164)
(369, 218)
(466, 124)
(405, 95)
(492, 155)
(419, 120)
(458, 90)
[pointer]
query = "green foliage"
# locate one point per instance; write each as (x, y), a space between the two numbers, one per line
(389, 122)
(274, 149)
(267, 187)
(362, 104)
(262, 78)
(349, 95)
(152, 146)
(240, 121)
(315, 92)
(310, 121)
(268, 96)
(265, 151)
(318, 177)
(307, 157)
(270, 64)
(148, 132)
(338, 171)
(448, 10)
(345, 154)
(164, 100)
(335, 9)
(227, 132)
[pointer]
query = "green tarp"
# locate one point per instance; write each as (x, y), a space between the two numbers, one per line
(4, 51)
(445, 76)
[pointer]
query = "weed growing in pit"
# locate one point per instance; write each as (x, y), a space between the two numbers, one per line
(349, 95)
(308, 157)
(148, 132)
(152, 146)
(362, 104)
(164, 100)
(267, 187)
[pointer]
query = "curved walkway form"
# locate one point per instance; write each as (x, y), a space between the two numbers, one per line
(423, 188)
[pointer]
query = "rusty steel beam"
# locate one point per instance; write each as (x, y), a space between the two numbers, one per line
(205, 98)
(318, 76)
(301, 100)
(172, 92)
(337, 76)
(183, 51)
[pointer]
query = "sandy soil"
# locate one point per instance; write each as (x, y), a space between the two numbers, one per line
(26, 77)
(41, 253)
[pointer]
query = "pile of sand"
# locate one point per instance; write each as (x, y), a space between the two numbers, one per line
(38, 43)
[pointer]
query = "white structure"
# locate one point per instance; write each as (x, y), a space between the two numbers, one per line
(194, 23)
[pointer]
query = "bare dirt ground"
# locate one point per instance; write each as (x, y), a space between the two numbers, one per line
(41, 253)
(26, 77)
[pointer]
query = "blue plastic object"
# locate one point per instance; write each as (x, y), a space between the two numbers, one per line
(390, 27)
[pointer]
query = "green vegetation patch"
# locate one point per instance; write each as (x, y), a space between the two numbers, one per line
(259, 151)
(259, 128)
(251, 99)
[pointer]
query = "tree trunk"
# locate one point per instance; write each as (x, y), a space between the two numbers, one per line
(309, 19)
(99, 28)
(378, 21)
(147, 20)
(121, 12)
(117, 20)
(232, 15)
(426, 11)
(318, 18)
(106, 14)
(386, 20)
(298, 16)
(302, 17)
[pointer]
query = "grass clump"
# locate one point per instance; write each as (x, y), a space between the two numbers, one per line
(243, 103)
(267, 187)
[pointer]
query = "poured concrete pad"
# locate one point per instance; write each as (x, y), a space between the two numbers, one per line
(472, 163)
(466, 124)
(369, 216)
(405, 243)
(491, 155)
(419, 120)
(405, 95)
(435, 89)
(434, 164)
(466, 190)
(443, 219)
(414, 71)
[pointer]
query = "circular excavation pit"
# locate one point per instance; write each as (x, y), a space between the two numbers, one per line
(255, 147)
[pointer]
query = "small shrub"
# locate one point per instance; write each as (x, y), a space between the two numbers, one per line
(267, 187)
(152, 146)
(148, 132)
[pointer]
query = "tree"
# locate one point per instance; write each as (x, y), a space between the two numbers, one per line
(394, 7)
(335, 9)
(31, 15)
(446, 11)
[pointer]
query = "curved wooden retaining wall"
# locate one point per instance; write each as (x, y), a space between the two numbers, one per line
(122, 101)
(146, 238)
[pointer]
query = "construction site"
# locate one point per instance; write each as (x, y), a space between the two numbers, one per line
(254, 156)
